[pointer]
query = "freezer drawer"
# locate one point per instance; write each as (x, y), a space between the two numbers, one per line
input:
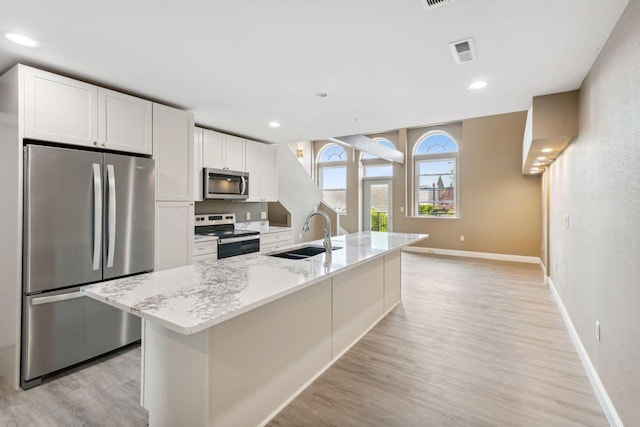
(61, 329)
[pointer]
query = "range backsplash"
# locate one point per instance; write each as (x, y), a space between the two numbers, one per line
(238, 208)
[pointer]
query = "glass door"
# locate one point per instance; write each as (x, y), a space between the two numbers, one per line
(377, 205)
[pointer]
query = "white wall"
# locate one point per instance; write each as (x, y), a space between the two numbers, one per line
(595, 260)
(297, 192)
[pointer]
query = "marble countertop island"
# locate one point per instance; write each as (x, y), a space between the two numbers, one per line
(190, 299)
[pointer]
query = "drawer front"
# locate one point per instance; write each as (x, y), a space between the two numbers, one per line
(286, 236)
(204, 251)
(201, 248)
(205, 257)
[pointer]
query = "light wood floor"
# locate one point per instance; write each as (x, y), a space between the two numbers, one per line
(106, 393)
(474, 343)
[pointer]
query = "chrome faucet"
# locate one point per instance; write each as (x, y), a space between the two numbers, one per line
(327, 231)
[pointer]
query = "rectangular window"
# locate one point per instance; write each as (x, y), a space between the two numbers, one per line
(378, 170)
(436, 188)
(333, 182)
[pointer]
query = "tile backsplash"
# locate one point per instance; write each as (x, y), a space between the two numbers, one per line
(238, 208)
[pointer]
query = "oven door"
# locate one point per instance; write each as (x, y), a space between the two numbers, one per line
(225, 185)
(237, 246)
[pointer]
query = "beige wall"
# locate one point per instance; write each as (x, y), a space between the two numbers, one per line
(595, 261)
(500, 208)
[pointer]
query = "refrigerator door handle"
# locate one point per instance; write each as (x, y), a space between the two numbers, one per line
(97, 215)
(111, 178)
(56, 298)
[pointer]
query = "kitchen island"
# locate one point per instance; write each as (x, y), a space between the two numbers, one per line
(232, 342)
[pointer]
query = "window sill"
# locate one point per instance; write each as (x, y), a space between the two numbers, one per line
(433, 217)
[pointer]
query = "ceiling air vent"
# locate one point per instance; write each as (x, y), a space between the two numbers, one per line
(463, 51)
(430, 4)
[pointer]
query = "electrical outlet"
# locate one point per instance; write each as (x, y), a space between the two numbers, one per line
(597, 330)
(462, 237)
(248, 216)
(401, 208)
(263, 215)
(566, 220)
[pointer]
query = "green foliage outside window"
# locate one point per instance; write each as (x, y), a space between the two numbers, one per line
(379, 220)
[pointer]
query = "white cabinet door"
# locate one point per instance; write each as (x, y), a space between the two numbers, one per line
(124, 122)
(212, 149)
(173, 153)
(252, 165)
(268, 173)
(59, 109)
(197, 164)
(174, 234)
(234, 150)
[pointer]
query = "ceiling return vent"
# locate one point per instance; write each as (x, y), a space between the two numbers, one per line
(430, 4)
(463, 51)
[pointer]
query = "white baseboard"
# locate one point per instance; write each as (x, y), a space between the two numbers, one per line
(469, 254)
(603, 397)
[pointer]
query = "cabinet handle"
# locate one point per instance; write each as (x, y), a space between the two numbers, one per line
(104, 144)
(95, 142)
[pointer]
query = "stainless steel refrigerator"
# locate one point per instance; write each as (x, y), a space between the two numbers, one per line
(88, 216)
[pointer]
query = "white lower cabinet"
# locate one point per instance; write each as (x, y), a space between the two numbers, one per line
(205, 248)
(174, 234)
(271, 241)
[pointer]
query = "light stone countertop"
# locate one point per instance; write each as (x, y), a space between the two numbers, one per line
(271, 229)
(193, 298)
(262, 226)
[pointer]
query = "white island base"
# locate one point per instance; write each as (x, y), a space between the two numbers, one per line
(243, 371)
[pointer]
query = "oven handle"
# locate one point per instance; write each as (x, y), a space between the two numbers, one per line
(238, 239)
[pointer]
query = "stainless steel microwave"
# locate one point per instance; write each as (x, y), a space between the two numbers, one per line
(222, 184)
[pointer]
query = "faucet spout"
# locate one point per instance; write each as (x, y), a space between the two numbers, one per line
(327, 231)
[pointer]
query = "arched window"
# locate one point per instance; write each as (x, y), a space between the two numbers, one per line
(332, 176)
(375, 166)
(436, 175)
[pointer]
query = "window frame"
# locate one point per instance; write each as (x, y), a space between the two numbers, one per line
(320, 165)
(448, 155)
(376, 161)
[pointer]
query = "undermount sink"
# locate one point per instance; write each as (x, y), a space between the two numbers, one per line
(301, 253)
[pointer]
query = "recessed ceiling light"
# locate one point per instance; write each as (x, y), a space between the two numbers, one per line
(541, 158)
(480, 84)
(274, 124)
(22, 40)
(538, 164)
(547, 150)
(534, 170)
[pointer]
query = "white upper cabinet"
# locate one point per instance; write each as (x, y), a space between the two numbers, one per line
(252, 165)
(212, 149)
(173, 153)
(59, 109)
(260, 162)
(221, 151)
(268, 173)
(124, 122)
(64, 110)
(234, 149)
(197, 164)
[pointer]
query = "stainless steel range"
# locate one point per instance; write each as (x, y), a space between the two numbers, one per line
(231, 242)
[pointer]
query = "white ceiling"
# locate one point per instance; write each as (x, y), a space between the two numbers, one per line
(240, 64)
